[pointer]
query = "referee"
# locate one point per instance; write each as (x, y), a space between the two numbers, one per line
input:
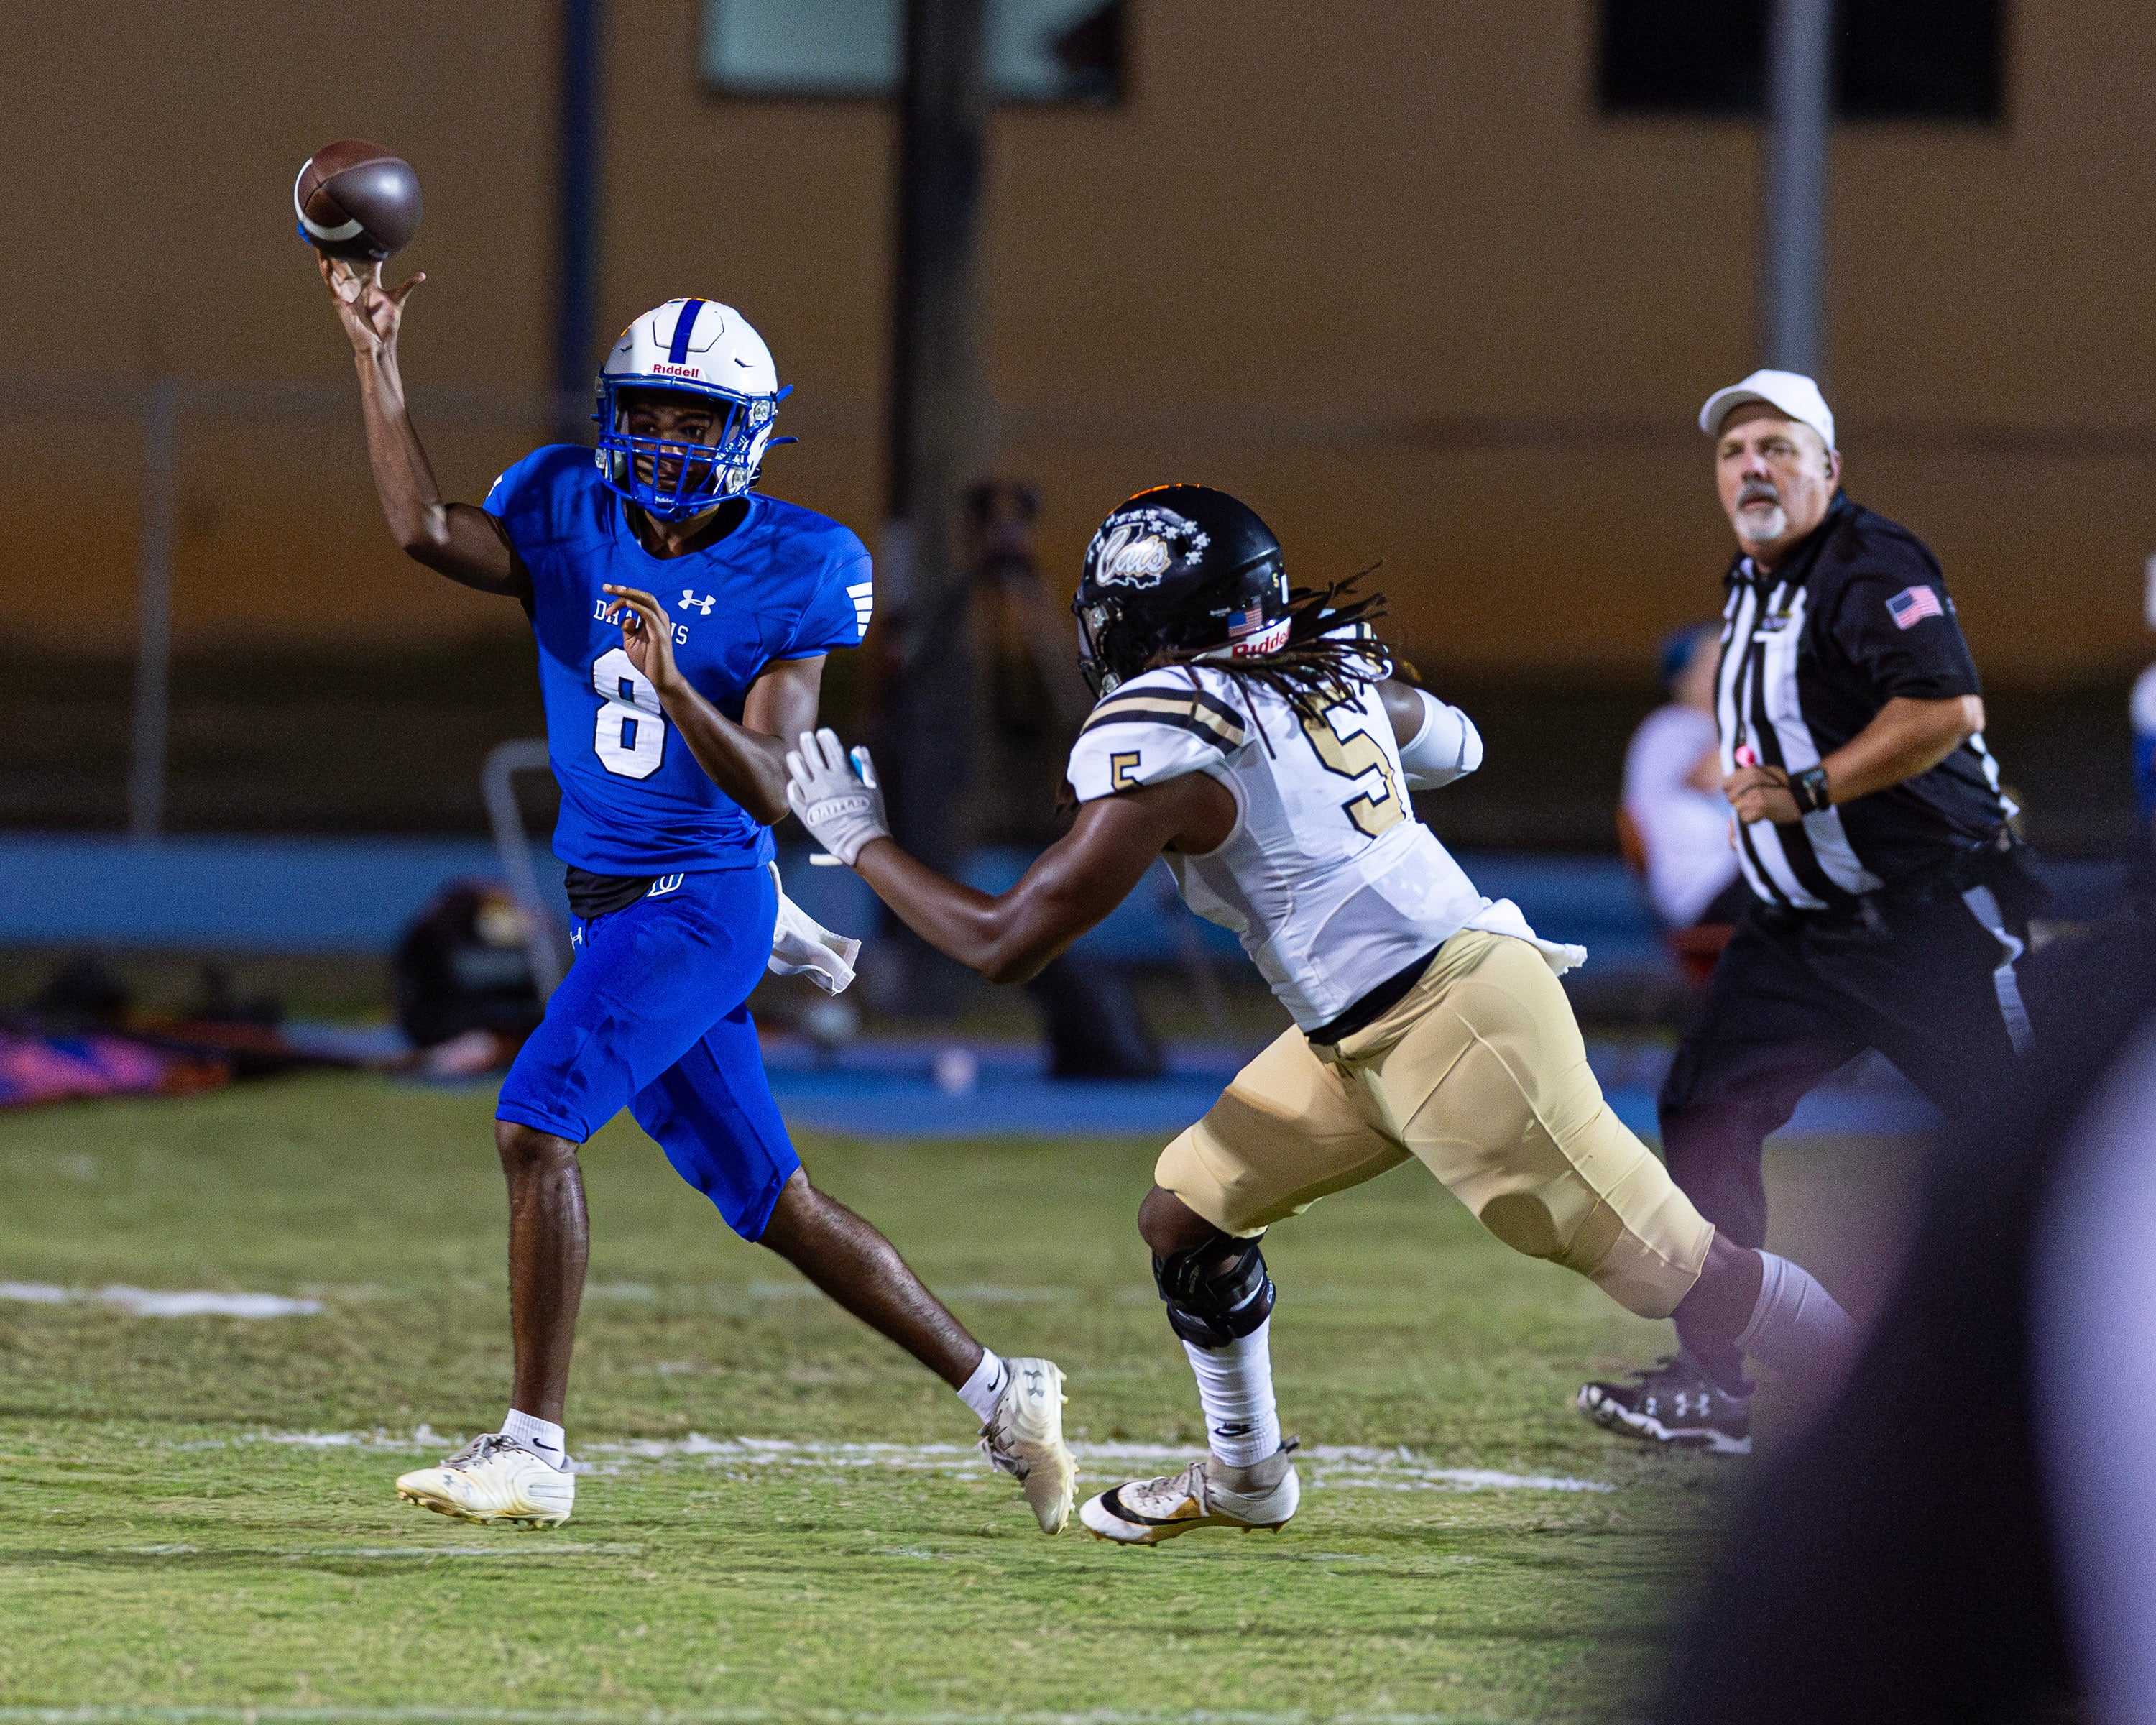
(1889, 898)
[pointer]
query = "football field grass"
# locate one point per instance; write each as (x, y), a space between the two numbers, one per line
(783, 1518)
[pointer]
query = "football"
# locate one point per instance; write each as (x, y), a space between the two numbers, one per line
(357, 200)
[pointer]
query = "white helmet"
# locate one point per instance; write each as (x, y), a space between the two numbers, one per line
(698, 347)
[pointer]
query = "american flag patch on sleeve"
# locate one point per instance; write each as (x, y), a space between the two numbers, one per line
(1912, 605)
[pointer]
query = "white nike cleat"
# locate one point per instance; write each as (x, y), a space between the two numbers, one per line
(1147, 1512)
(1024, 1438)
(493, 1479)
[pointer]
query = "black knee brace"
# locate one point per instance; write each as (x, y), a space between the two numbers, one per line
(1216, 1293)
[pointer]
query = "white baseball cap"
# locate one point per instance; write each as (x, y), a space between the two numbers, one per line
(1790, 393)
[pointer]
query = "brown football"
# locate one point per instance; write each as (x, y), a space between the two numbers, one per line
(357, 200)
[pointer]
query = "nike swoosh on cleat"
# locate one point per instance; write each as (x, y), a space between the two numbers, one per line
(1114, 1502)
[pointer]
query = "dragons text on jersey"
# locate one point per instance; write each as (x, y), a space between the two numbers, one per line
(786, 583)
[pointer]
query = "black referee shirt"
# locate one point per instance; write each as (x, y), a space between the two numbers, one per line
(1857, 615)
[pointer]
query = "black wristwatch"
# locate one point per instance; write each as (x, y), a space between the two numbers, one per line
(1810, 789)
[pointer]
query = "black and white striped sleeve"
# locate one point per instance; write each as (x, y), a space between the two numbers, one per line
(1152, 730)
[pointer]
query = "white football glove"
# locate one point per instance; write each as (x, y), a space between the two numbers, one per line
(840, 802)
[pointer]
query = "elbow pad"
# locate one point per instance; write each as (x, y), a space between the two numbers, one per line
(1448, 746)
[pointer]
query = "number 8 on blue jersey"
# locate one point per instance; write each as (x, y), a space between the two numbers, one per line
(630, 735)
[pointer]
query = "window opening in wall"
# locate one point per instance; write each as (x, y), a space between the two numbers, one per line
(1894, 59)
(1038, 50)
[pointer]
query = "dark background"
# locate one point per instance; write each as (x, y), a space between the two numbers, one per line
(343, 741)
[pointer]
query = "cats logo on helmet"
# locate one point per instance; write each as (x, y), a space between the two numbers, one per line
(1135, 547)
(1178, 569)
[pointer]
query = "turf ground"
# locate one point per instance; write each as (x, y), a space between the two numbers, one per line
(195, 1512)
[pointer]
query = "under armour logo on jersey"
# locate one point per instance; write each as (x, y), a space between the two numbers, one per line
(689, 601)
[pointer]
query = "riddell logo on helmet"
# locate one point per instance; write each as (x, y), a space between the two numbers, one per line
(667, 370)
(1271, 641)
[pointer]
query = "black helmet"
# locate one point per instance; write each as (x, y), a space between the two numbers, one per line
(1182, 569)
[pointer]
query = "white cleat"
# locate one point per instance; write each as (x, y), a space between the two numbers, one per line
(493, 1479)
(1147, 1512)
(1024, 1438)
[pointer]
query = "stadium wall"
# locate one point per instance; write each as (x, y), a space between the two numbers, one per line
(1400, 284)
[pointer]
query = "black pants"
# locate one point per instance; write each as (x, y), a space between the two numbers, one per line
(1901, 1561)
(1926, 982)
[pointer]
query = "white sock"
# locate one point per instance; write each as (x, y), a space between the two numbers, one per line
(1797, 1324)
(1235, 1389)
(543, 1435)
(983, 1390)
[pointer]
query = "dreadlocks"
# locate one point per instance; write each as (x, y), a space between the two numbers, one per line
(1330, 650)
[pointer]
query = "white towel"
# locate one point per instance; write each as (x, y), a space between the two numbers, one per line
(1503, 916)
(801, 946)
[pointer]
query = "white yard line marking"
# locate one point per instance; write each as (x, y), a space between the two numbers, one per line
(401, 1554)
(124, 1715)
(420, 1440)
(988, 1294)
(1338, 1466)
(148, 1303)
(783, 1290)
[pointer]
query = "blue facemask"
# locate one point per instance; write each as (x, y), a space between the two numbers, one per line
(703, 474)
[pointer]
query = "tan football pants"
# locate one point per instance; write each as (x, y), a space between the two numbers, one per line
(1480, 1074)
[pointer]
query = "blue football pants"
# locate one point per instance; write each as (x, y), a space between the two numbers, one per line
(653, 1016)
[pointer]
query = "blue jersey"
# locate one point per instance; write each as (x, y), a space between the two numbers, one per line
(786, 583)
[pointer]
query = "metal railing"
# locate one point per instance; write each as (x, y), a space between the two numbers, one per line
(542, 937)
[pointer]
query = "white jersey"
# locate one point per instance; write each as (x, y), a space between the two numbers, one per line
(1328, 879)
(1684, 830)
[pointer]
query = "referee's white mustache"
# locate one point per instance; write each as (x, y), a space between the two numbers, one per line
(1757, 491)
